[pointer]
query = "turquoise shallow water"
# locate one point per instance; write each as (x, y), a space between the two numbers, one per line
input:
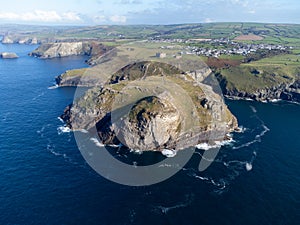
(44, 179)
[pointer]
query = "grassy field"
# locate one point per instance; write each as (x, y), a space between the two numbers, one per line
(264, 73)
(251, 76)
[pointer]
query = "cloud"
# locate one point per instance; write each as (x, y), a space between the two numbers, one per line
(128, 2)
(252, 11)
(99, 19)
(42, 16)
(208, 20)
(118, 19)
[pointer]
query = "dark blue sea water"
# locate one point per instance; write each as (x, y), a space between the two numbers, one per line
(44, 179)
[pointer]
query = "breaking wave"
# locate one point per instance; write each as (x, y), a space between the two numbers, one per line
(216, 144)
(96, 142)
(53, 87)
(63, 129)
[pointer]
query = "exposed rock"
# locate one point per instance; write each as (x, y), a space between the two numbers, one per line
(63, 49)
(153, 122)
(7, 40)
(34, 41)
(8, 55)
(282, 91)
(20, 40)
(182, 113)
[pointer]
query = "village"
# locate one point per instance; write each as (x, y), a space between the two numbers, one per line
(218, 47)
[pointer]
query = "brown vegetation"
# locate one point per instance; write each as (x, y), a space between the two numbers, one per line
(216, 63)
(249, 37)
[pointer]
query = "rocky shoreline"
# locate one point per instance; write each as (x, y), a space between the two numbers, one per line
(163, 121)
(63, 49)
(285, 91)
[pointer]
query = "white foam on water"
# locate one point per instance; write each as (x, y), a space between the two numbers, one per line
(187, 202)
(201, 178)
(241, 129)
(249, 166)
(275, 100)
(216, 144)
(169, 153)
(53, 87)
(51, 149)
(135, 151)
(253, 109)
(63, 129)
(96, 142)
(118, 146)
(40, 95)
(60, 119)
(204, 146)
(256, 139)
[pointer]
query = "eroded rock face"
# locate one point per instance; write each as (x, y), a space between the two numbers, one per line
(288, 91)
(63, 49)
(153, 123)
(178, 114)
(7, 40)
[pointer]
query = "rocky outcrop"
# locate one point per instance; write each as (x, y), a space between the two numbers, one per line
(7, 39)
(144, 113)
(282, 91)
(8, 55)
(63, 49)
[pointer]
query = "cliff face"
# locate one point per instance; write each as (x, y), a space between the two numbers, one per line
(182, 113)
(54, 50)
(7, 40)
(289, 91)
(20, 40)
(63, 49)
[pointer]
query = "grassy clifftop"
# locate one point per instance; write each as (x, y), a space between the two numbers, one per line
(262, 74)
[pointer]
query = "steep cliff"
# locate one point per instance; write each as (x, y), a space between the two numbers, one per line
(261, 85)
(10, 39)
(152, 111)
(63, 49)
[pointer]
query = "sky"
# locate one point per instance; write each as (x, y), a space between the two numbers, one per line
(107, 12)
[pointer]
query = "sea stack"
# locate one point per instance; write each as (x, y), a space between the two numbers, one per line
(8, 55)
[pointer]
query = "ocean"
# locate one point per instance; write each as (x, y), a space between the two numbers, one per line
(45, 180)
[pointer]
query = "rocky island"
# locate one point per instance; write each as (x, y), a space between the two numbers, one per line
(8, 55)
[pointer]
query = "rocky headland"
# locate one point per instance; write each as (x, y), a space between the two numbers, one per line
(8, 39)
(264, 89)
(63, 49)
(163, 109)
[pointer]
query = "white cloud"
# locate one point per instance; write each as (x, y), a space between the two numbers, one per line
(72, 16)
(99, 19)
(252, 11)
(129, 2)
(208, 20)
(118, 19)
(42, 16)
